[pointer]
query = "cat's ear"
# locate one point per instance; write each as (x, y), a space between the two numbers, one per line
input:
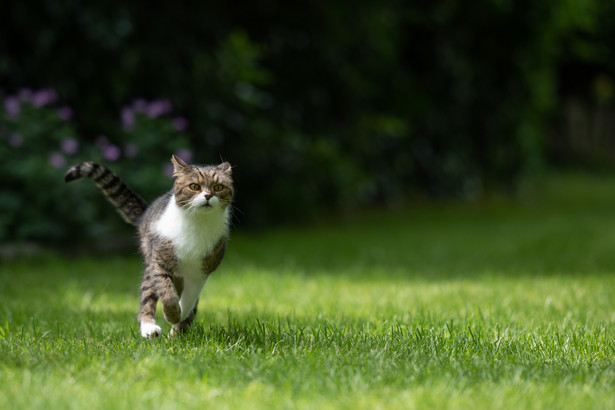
(226, 168)
(178, 165)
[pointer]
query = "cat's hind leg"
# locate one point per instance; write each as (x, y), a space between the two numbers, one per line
(188, 289)
(183, 326)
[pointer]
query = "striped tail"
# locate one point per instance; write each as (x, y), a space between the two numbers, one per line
(128, 204)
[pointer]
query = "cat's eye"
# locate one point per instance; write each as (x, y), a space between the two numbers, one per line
(218, 188)
(194, 187)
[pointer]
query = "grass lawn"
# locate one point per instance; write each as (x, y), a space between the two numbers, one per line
(498, 304)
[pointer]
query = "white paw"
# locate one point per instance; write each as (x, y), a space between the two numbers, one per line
(150, 330)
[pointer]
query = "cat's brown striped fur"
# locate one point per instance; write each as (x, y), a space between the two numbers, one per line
(128, 204)
(183, 235)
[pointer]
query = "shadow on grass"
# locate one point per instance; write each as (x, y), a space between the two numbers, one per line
(566, 226)
(452, 243)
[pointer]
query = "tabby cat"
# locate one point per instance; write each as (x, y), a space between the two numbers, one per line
(183, 235)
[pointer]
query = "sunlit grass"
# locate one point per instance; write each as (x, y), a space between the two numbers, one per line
(498, 304)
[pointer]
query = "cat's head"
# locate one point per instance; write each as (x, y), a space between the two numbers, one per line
(202, 188)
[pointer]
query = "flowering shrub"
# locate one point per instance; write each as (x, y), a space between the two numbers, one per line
(39, 141)
(141, 155)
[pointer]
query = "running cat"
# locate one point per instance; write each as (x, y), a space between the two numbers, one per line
(183, 235)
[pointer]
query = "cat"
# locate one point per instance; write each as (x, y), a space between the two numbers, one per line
(183, 235)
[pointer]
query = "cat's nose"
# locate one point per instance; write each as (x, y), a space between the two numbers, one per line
(208, 196)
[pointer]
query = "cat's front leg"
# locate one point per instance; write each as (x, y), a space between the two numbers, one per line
(168, 298)
(157, 284)
(160, 268)
(147, 313)
(150, 330)
(171, 309)
(183, 326)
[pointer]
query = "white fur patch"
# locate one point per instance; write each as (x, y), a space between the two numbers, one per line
(195, 231)
(193, 284)
(150, 330)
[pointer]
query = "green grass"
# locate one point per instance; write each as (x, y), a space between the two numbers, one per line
(498, 304)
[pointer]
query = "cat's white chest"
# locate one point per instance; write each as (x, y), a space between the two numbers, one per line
(194, 234)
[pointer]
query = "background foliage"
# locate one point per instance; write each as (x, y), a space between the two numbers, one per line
(332, 106)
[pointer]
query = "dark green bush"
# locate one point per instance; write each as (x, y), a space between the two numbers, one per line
(327, 107)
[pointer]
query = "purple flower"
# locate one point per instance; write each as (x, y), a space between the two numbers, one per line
(57, 160)
(111, 153)
(158, 107)
(44, 97)
(180, 124)
(15, 140)
(128, 118)
(185, 154)
(69, 146)
(65, 113)
(12, 107)
(131, 150)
